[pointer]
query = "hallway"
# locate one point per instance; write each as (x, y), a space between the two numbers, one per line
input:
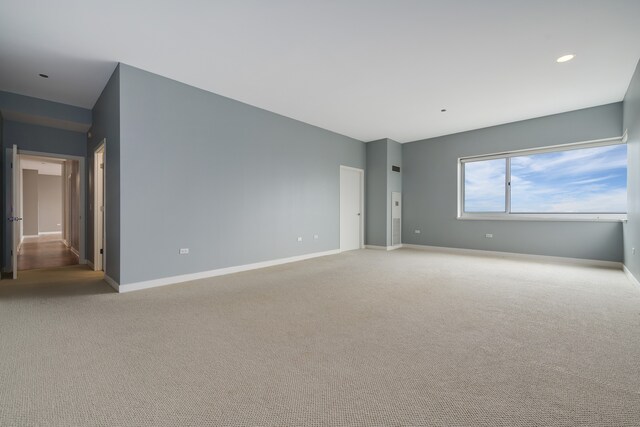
(45, 251)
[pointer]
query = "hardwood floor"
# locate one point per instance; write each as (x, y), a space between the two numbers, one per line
(45, 252)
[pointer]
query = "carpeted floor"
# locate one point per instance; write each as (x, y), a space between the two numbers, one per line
(366, 338)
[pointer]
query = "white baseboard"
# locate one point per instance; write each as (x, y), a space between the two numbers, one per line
(212, 273)
(383, 248)
(112, 283)
(75, 251)
(513, 255)
(40, 233)
(631, 276)
(89, 263)
(64, 242)
(29, 235)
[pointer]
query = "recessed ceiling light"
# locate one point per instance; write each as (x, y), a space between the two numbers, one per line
(44, 76)
(565, 58)
(444, 110)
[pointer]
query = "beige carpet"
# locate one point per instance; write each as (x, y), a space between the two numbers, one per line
(367, 338)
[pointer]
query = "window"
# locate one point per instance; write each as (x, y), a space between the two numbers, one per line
(575, 181)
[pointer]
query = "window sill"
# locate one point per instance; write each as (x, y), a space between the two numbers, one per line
(547, 217)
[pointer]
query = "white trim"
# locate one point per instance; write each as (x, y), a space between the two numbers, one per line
(28, 235)
(112, 283)
(352, 168)
(383, 248)
(40, 233)
(558, 217)
(75, 252)
(513, 255)
(66, 243)
(630, 275)
(213, 273)
(89, 263)
(102, 265)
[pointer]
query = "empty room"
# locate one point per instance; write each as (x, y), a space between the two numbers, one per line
(320, 213)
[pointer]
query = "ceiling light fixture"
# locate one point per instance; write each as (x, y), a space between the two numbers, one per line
(565, 58)
(44, 76)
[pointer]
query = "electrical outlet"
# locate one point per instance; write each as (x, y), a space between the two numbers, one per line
(299, 239)
(184, 251)
(488, 236)
(315, 237)
(633, 251)
(416, 231)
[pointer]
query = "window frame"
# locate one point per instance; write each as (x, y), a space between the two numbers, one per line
(507, 214)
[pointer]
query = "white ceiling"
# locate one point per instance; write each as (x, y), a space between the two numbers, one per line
(364, 68)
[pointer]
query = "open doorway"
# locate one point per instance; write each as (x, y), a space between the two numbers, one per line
(49, 198)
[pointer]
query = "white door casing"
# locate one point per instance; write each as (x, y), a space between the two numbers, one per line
(16, 215)
(99, 248)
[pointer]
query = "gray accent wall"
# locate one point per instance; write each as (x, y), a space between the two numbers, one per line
(44, 139)
(380, 183)
(106, 125)
(631, 122)
(430, 180)
(49, 203)
(376, 193)
(48, 113)
(394, 179)
(233, 183)
(3, 195)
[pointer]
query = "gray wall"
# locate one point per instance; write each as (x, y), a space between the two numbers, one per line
(44, 139)
(376, 193)
(30, 202)
(394, 179)
(49, 203)
(50, 113)
(430, 189)
(2, 202)
(234, 183)
(380, 182)
(631, 122)
(106, 124)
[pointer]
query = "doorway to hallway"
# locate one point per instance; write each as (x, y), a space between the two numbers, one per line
(49, 204)
(45, 211)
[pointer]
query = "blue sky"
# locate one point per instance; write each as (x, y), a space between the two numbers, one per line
(585, 180)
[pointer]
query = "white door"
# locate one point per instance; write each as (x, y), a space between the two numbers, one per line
(16, 214)
(351, 202)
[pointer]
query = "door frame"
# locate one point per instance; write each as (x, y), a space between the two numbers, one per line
(82, 259)
(101, 265)
(16, 209)
(362, 205)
